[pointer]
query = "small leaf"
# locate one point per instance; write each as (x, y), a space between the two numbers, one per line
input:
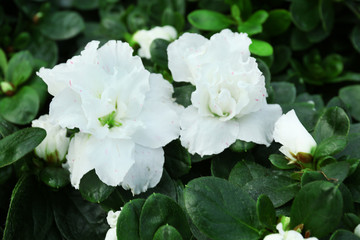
(266, 212)
(55, 177)
(350, 95)
(280, 161)
(260, 48)
(284, 92)
(305, 14)
(93, 189)
(258, 17)
(241, 146)
(312, 207)
(330, 146)
(128, 222)
(158, 52)
(18, 144)
(62, 25)
(20, 68)
(209, 20)
(278, 22)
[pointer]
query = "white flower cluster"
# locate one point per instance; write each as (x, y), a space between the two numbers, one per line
(286, 235)
(125, 115)
(112, 219)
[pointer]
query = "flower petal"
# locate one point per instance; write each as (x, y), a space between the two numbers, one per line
(258, 127)
(206, 135)
(111, 158)
(147, 170)
(292, 134)
(111, 234)
(159, 115)
(180, 53)
(274, 236)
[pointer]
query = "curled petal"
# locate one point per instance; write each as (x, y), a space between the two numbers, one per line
(147, 170)
(206, 135)
(258, 126)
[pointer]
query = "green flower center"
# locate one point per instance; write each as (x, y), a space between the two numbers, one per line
(110, 120)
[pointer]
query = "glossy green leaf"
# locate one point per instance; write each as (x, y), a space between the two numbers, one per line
(177, 159)
(258, 17)
(260, 48)
(19, 143)
(20, 68)
(330, 146)
(62, 25)
(344, 235)
(167, 232)
(6, 128)
(350, 95)
(3, 61)
(337, 171)
(182, 94)
(44, 49)
(93, 189)
(128, 222)
(221, 210)
(159, 210)
(266, 212)
(208, 20)
(312, 207)
(305, 14)
(21, 108)
(280, 161)
(55, 177)
(158, 52)
(278, 22)
(284, 92)
(241, 146)
(250, 28)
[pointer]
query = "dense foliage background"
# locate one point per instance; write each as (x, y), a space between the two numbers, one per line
(309, 52)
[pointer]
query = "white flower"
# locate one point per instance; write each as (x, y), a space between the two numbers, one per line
(55, 145)
(124, 113)
(145, 38)
(357, 230)
(293, 136)
(229, 102)
(112, 218)
(286, 235)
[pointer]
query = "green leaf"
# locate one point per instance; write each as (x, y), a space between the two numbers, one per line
(158, 52)
(77, 218)
(244, 172)
(221, 210)
(159, 210)
(260, 48)
(21, 108)
(343, 235)
(93, 189)
(250, 28)
(172, 18)
(284, 92)
(62, 25)
(241, 146)
(355, 38)
(167, 232)
(258, 17)
(310, 176)
(177, 159)
(280, 161)
(278, 22)
(6, 128)
(20, 68)
(85, 4)
(222, 165)
(55, 177)
(350, 95)
(326, 13)
(318, 206)
(266, 212)
(305, 14)
(128, 222)
(208, 20)
(44, 49)
(351, 220)
(19, 143)
(330, 146)
(3, 61)
(333, 122)
(337, 171)
(182, 94)
(30, 214)
(282, 55)
(298, 40)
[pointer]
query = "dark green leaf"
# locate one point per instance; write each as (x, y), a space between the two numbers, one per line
(298, 40)
(260, 48)
(6, 128)
(85, 4)
(278, 22)
(21, 108)
(18, 144)
(221, 210)
(167, 232)
(20, 68)
(62, 25)
(330, 146)
(93, 189)
(344, 235)
(284, 92)
(209, 20)
(158, 52)
(241, 146)
(350, 95)
(3, 61)
(355, 38)
(280, 161)
(266, 212)
(182, 94)
(55, 177)
(128, 222)
(326, 13)
(177, 159)
(159, 210)
(282, 55)
(305, 14)
(312, 206)
(337, 171)
(311, 176)
(44, 49)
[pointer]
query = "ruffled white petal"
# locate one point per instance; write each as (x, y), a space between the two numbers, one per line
(258, 127)
(111, 158)
(181, 54)
(206, 135)
(147, 170)
(159, 115)
(292, 135)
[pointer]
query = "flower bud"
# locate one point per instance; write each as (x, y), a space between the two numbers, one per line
(55, 145)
